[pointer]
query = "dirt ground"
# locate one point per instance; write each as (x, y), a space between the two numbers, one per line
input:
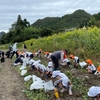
(11, 83)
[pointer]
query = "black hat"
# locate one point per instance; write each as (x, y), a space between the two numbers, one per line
(66, 51)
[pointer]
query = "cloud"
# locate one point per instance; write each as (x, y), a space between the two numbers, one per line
(33, 10)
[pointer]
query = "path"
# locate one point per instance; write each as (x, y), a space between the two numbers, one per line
(11, 83)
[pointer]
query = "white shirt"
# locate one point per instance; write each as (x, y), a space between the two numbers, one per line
(64, 81)
(42, 67)
(31, 61)
(75, 59)
(49, 69)
(66, 60)
(15, 47)
(29, 53)
(55, 73)
(92, 67)
(62, 75)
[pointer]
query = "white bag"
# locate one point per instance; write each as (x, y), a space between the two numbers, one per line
(48, 85)
(35, 78)
(82, 64)
(27, 78)
(23, 72)
(37, 85)
(22, 67)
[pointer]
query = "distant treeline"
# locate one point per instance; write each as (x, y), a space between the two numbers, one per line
(21, 30)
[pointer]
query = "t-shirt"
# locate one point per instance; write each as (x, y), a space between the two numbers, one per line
(92, 67)
(49, 69)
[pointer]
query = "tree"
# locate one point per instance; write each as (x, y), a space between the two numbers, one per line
(46, 32)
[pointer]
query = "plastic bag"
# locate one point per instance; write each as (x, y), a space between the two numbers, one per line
(22, 67)
(82, 64)
(48, 85)
(27, 78)
(23, 72)
(37, 85)
(35, 78)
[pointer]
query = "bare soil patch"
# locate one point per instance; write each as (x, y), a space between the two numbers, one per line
(11, 83)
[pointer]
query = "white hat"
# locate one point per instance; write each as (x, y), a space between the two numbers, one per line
(93, 91)
(50, 63)
(38, 61)
(55, 73)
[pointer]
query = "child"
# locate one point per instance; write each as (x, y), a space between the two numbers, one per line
(18, 61)
(66, 62)
(91, 68)
(94, 92)
(49, 69)
(41, 69)
(75, 60)
(62, 82)
(97, 71)
(39, 53)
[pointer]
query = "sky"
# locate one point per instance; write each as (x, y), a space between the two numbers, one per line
(33, 10)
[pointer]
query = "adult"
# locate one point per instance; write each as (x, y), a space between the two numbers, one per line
(24, 46)
(94, 92)
(14, 50)
(2, 56)
(9, 51)
(58, 57)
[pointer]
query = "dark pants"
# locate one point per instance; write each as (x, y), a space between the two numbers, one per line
(14, 52)
(8, 54)
(55, 61)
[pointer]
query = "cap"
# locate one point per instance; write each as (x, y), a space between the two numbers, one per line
(93, 91)
(98, 68)
(66, 51)
(89, 61)
(71, 56)
(50, 63)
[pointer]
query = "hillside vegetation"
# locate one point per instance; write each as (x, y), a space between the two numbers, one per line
(77, 19)
(21, 30)
(81, 42)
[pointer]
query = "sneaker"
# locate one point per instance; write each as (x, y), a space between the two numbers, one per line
(70, 92)
(62, 90)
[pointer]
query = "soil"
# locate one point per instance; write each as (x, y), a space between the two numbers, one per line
(11, 82)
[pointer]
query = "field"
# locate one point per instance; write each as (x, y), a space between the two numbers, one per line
(82, 43)
(12, 83)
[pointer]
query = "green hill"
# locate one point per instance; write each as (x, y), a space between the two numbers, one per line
(76, 19)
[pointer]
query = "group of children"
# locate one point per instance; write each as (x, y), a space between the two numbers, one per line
(62, 82)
